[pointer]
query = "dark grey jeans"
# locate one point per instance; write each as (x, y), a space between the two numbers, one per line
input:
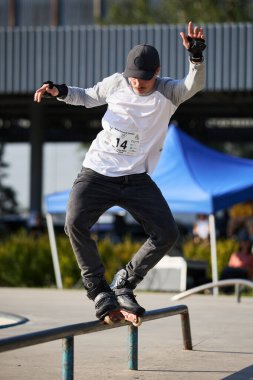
(93, 193)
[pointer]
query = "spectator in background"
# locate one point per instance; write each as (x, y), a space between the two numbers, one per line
(249, 226)
(201, 228)
(243, 259)
(35, 224)
(240, 264)
(238, 216)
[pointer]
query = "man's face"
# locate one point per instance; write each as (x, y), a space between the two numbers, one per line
(141, 86)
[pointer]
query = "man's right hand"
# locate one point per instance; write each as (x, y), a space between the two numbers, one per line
(46, 88)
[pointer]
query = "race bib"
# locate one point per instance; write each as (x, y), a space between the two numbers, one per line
(122, 142)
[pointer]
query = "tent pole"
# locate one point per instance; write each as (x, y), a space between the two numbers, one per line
(51, 234)
(213, 252)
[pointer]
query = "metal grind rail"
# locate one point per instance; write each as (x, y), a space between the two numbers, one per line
(238, 283)
(67, 333)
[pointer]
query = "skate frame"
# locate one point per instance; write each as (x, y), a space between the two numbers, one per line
(67, 333)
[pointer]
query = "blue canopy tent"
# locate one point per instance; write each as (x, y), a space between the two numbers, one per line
(193, 179)
(56, 203)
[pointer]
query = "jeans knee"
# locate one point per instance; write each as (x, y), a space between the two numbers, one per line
(74, 223)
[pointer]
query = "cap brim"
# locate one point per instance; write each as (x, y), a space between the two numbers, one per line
(139, 74)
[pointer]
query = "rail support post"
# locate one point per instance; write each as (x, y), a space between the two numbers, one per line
(133, 348)
(186, 330)
(68, 358)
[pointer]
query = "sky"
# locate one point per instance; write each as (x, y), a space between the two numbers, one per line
(61, 163)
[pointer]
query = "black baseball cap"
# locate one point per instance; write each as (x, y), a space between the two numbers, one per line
(142, 62)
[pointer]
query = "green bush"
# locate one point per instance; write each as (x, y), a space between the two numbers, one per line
(116, 255)
(113, 255)
(69, 269)
(26, 260)
(202, 251)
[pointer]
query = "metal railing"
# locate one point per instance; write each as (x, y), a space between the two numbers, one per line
(67, 333)
(238, 283)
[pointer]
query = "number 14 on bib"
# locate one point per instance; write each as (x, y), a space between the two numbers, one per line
(123, 142)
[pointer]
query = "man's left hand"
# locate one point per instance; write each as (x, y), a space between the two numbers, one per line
(194, 42)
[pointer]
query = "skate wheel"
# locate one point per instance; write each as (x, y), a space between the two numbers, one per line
(113, 317)
(137, 322)
(132, 318)
(108, 320)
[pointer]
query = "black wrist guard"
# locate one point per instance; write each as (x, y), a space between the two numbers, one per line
(197, 45)
(62, 88)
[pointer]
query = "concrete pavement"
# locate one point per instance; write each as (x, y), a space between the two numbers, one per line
(222, 334)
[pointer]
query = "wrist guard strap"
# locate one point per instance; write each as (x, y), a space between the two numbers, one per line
(197, 45)
(62, 88)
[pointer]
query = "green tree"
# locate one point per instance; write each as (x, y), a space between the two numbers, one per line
(8, 202)
(205, 11)
(175, 11)
(130, 12)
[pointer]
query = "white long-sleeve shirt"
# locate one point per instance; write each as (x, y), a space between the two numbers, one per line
(134, 126)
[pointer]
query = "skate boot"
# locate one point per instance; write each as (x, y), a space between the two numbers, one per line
(106, 305)
(122, 286)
